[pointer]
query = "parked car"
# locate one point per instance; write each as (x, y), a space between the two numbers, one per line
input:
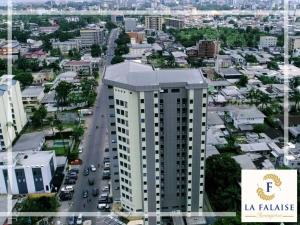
(74, 170)
(93, 168)
(79, 219)
(106, 174)
(103, 198)
(106, 159)
(68, 188)
(95, 191)
(106, 188)
(103, 207)
(71, 220)
(69, 181)
(85, 194)
(65, 196)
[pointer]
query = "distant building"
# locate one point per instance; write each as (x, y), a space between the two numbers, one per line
(208, 49)
(32, 172)
(117, 19)
(137, 37)
(12, 113)
(267, 41)
(174, 23)
(294, 43)
(153, 22)
(223, 61)
(48, 30)
(92, 35)
(66, 46)
(130, 24)
(6, 49)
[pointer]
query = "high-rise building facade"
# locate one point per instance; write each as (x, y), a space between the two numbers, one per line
(92, 35)
(157, 137)
(153, 22)
(12, 113)
(208, 48)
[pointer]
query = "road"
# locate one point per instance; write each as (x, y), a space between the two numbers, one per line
(94, 143)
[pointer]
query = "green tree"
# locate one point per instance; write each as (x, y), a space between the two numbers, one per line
(62, 90)
(222, 177)
(295, 97)
(95, 50)
(38, 116)
(110, 25)
(250, 58)
(272, 65)
(74, 54)
(78, 131)
(243, 81)
(150, 40)
(55, 52)
(259, 128)
(25, 78)
(117, 59)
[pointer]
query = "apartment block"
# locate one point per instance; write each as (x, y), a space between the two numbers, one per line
(153, 22)
(208, 48)
(92, 35)
(157, 124)
(66, 46)
(267, 41)
(174, 23)
(12, 113)
(32, 172)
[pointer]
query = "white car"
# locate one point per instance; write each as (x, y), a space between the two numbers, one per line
(93, 168)
(68, 188)
(103, 206)
(79, 219)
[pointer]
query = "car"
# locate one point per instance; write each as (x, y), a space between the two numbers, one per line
(68, 188)
(95, 191)
(106, 159)
(71, 220)
(106, 166)
(103, 206)
(86, 172)
(93, 168)
(63, 196)
(105, 188)
(79, 219)
(85, 194)
(91, 181)
(69, 181)
(102, 199)
(105, 175)
(74, 170)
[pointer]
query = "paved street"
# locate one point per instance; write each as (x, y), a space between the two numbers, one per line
(94, 142)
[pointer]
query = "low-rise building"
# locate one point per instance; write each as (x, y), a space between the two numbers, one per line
(32, 97)
(79, 66)
(246, 116)
(42, 76)
(32, 172)
(66, 46)
(30, 142)
(13, 48)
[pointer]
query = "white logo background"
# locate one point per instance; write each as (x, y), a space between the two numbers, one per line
(285, 194)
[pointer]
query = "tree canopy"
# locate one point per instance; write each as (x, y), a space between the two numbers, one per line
(223, 175)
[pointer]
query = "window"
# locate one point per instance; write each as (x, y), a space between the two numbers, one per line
(204, 95)
(204, 104)
(142, 100)
(155, 95)
(191, 101)
(142, 110)
(175, 90)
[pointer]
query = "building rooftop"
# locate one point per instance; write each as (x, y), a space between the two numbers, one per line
(214, 119)
(139, 76)
(244, 161)
(252, 112)
(29, 141)
(32, 91)
(30, 158)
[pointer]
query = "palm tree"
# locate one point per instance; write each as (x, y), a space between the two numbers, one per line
(60, 127)
(264, 100)
(296, 98)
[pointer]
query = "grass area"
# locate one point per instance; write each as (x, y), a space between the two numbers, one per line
(59, 151)
(229, 37)
(159, 61)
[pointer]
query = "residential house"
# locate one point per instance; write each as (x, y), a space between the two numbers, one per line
(247, 116)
